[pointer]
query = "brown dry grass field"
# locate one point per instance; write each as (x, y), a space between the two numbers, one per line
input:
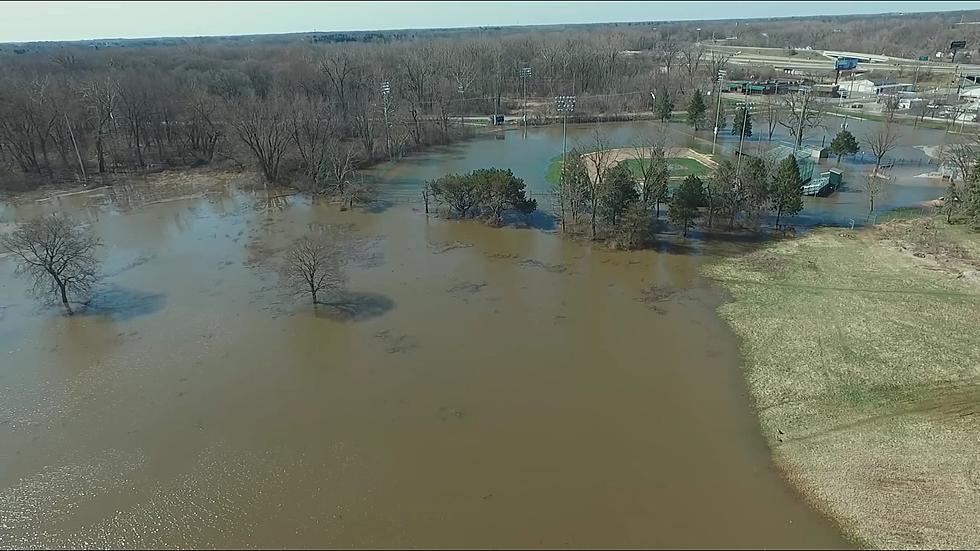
(862, 353)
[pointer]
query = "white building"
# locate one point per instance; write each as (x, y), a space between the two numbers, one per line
(873, 86)
(970, 93)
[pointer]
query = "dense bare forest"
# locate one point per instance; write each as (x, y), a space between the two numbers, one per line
(308, 110)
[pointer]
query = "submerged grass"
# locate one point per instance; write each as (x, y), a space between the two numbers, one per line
(862, 354)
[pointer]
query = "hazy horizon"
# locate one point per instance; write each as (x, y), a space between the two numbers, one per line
(72, 21)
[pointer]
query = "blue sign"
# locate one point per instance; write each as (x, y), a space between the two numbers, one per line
(846, 63)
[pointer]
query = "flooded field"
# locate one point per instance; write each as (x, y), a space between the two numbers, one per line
(529, 156)
(484, 387)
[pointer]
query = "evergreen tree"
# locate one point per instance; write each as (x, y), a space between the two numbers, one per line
(742, 122)
(844, 143)
(755, 181)
(501, 190)
(785, 192)
(664, 106)
(721, 117)
(971, 198)
(696, 110)
(617, 194)
(684, 204)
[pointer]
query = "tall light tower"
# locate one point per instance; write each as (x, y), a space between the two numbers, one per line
(564, 105)
(385, 96)
(721, 77)
(525, 74)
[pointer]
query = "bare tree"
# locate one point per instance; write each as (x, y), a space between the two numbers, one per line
(310, 130)
(881, 141)
(873, 184)
(596, 160)
(962, 155)
(770, 114)
(314, 266)
(101, 97)
(58, 255)
(796, 110)
(263, 126)
(669, 49)
(692, 56)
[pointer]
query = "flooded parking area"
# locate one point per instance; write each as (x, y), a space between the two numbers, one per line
(483, 387)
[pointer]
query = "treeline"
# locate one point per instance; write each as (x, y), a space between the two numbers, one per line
(309, 114)
(304, 114)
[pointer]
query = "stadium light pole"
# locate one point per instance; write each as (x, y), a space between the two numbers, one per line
(525, 74)
(564, 105)
(721, 77)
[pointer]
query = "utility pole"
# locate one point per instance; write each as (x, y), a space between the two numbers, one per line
(741, 138)
(461, 89)
(721, 77)
(81, 165)
(956, 73)
(525, 74)
(386, 94)
(799, 133)
(850, 94)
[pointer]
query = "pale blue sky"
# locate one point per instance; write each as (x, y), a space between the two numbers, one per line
(31, 21)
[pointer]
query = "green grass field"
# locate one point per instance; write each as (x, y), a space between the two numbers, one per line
(680, 167)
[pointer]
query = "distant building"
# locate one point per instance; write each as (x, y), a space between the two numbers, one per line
(970, 93)
(875, 86)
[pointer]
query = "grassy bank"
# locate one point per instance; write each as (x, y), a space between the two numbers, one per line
(862, 354)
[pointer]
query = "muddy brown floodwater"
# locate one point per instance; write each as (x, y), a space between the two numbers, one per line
(485, 387)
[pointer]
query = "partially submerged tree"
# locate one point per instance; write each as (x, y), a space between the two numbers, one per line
(696, 110)
(799, 116)
(881, 141)
(58, 255)
(785, 193)
(572, 191)
(264, 127)
(313, 267)
(684, 204)
(617, 194)
(742, 123)
(754, 180)
(490, 190)
(873, 184)
(664, 106)
(460, 193)
(844, 143)
(597, 162)
(654, 176)
(501, 190)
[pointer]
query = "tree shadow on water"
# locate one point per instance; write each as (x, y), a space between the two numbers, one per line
(122, 304)
(355, 306)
